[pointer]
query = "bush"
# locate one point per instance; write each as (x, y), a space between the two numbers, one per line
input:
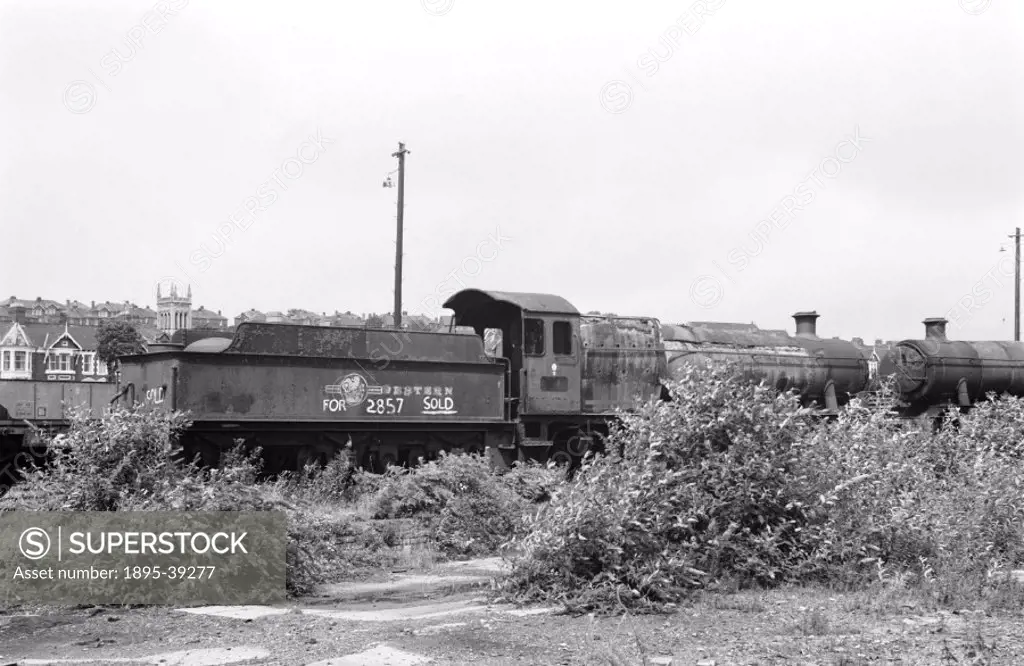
(324, 545)
(947, 508)
(470, 509)
(130, 460)
(701, 489)
(534, 482)
(733, 483)
(426, 490)
(338, 481)
(98, 464)
(475, 525)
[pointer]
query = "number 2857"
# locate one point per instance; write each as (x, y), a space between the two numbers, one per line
(384, 405)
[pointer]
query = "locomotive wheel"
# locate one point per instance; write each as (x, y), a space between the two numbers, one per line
(560, 456)
(577, 446)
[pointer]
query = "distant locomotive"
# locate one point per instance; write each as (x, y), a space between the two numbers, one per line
(825, 373)
(936, 372)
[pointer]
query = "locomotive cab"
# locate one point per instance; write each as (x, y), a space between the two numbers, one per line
(540, 339)
(568, 374)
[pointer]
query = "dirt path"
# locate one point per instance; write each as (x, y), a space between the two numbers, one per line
(444, 617)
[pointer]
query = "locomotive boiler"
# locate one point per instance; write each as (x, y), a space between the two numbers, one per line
(825, 373)
(936, 372)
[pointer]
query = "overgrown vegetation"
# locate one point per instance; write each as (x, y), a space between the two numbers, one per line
(732, 485)
(342, 521)
(470, 509)
(728, 486)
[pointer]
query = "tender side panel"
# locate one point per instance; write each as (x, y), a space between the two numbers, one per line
(19, 399)
(355, 343)
(233, 388)
(95, 396)
(46, 401)
(150, 381)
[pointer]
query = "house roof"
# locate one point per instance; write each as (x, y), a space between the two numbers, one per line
(345, 320)
(31, 303)
(109, 307)
(203, 313)
(44, 336)
(15, 336)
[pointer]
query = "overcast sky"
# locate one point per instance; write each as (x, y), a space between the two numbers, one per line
(728, 160)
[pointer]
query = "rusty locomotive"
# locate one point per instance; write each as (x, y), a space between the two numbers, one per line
(389, 397)
(825, 373)
(524, 375)
(934, 373)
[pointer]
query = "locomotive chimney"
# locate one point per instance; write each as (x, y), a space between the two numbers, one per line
(805, 326)
(935, 328)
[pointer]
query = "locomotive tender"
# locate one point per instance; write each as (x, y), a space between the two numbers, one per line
(31, 407)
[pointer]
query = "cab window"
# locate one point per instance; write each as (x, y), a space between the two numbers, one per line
(534, 337)
(561, 338)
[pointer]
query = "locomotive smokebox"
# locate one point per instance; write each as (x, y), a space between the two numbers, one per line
(805, 324)
(935, 328)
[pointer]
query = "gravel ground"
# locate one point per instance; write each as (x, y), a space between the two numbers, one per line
(452, 623)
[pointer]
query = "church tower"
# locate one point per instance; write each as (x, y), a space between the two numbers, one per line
(174, 311)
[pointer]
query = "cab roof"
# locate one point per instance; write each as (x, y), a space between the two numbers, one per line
(470, 299)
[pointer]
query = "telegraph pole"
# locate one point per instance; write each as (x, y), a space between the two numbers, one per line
(402, 152)
(1016, 288)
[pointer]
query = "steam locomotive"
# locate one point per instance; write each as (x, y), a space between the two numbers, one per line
(523, 375)
(935, 372)
(548, 390)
